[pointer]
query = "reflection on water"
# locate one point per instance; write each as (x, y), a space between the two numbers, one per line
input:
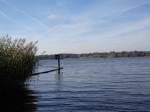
(58, 78)
(16, 97)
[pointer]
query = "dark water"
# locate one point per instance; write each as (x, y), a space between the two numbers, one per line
(16, 97)
(94, 85)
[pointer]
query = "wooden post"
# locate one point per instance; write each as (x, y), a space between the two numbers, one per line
(58, 59)
(59, 65)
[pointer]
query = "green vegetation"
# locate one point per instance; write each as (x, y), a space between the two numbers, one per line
(17, 58)
(101, 55)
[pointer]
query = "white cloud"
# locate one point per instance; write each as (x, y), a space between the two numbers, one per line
(53, 16)
(92, 29)
(125, 28)
(131, 36)
(4, 14)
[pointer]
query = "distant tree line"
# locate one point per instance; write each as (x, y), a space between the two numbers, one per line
(100, 55)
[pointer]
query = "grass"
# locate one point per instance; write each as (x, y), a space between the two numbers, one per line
(17, 58)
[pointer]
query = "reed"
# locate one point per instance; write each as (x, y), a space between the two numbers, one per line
(17, 58)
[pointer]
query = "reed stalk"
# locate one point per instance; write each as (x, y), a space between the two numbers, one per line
(17, 58)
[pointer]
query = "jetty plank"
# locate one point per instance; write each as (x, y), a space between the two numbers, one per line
(57, 69)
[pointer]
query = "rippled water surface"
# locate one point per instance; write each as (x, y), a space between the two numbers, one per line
(94, 85)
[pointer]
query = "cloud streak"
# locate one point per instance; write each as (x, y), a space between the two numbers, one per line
(35, 20)
(90, 26)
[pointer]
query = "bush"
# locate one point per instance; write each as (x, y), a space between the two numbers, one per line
(17, 58)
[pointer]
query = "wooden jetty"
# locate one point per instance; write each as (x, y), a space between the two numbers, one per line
(56, 69)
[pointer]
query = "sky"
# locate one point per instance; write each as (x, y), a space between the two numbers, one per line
(78, 26)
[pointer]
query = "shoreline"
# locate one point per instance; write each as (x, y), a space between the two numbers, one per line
(98, 55)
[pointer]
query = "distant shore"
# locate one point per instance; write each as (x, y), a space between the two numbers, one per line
(99, 55)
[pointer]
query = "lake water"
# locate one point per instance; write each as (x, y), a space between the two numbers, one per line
(93, 85)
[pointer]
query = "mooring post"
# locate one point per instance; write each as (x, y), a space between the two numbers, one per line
(59, 65)
(58, 59)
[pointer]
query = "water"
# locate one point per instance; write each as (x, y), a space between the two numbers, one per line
(94, 85)
(16, 97)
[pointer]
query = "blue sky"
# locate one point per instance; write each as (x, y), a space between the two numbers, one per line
(78, 26)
